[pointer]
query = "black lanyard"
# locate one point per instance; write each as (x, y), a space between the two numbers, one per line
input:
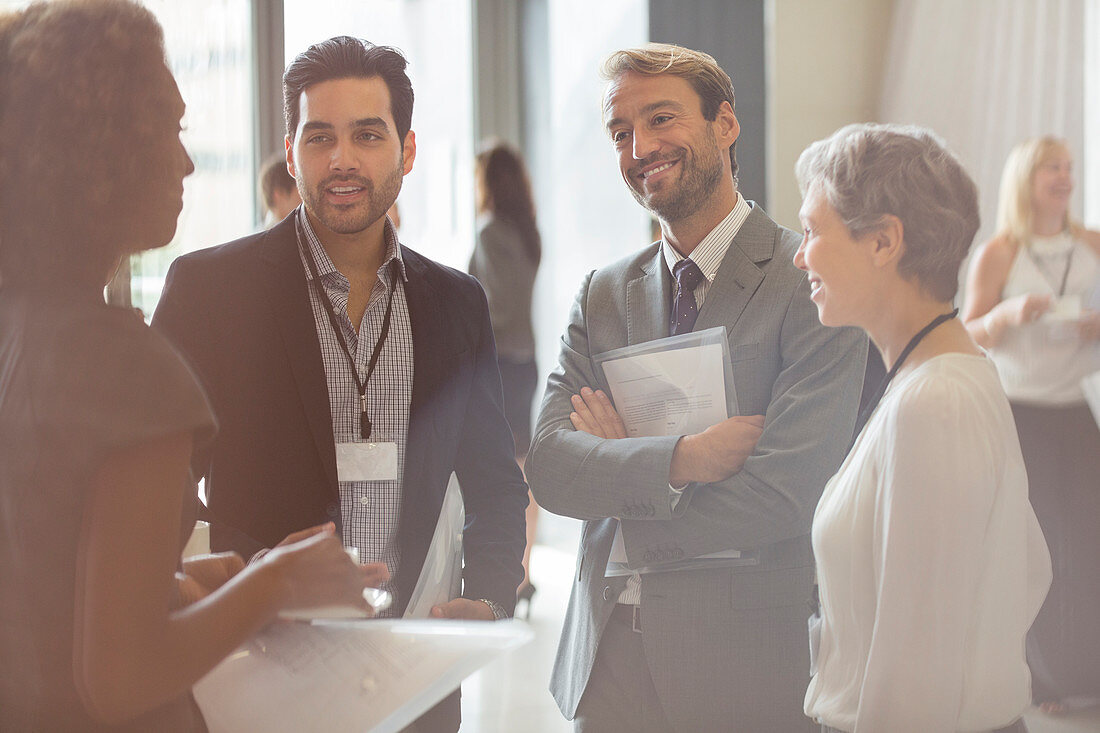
(360, 384)
(869, 409)
(1065, 272)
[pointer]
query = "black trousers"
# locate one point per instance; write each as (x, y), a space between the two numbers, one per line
(1017, 727)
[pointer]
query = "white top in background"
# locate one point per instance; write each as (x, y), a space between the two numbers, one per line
(1043, 362)
(930, 561)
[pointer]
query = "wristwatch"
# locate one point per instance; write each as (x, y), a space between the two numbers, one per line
(497, 609)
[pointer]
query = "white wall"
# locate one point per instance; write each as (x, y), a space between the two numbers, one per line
(825, 61)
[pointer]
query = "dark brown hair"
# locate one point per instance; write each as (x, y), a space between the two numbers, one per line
(504, 189)
(82, 84)
(344, 57)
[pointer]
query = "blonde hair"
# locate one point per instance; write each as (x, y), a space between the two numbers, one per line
(707, 78)
(1014, 212)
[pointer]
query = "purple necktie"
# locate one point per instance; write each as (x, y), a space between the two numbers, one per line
(684, 310)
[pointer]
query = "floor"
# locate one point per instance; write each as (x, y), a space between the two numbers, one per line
(511, 694)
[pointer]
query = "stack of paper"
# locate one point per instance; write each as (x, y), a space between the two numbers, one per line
(337, 676)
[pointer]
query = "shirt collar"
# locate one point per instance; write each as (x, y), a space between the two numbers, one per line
(710, 252)
(324, 262)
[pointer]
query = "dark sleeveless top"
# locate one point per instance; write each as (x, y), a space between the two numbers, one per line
(78, 380)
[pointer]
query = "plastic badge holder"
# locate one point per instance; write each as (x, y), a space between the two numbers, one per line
(671, 386)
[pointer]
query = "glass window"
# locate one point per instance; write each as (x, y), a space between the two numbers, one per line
(587, 216)
(437, 199)
(209, 46)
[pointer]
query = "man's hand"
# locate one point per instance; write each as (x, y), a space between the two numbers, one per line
(712, 455)
(716, 453)
(204, 574)
(465, 609)
(594, 414)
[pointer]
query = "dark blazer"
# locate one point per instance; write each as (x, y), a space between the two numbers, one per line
(240, 314)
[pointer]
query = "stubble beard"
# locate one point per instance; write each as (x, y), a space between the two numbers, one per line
(353, 219)
(699, 178)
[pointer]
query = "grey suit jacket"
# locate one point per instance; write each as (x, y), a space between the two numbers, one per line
(726, 646)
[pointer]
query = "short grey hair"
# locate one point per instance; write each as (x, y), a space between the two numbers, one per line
(869, 171)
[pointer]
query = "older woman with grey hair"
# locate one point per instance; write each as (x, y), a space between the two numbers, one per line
(930, 561)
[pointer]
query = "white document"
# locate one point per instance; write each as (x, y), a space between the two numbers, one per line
(345, 676)
(678, 391)
(366, 461)
(675, 392)
(1091, 387)
(441, 577)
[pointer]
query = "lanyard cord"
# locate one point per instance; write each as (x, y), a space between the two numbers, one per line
(360, 384)
(1065, 272)
(865, 415)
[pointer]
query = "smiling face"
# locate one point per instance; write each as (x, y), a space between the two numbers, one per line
(675, 162)
(1052, 183)
(346, 155)
(841, 269)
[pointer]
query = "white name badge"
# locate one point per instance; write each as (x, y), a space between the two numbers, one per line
(366, 461)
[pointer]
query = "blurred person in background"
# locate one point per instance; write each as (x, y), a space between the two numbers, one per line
(930, 562)
(279, 190)
(101, 626)
(506, 260)
(1032, 302)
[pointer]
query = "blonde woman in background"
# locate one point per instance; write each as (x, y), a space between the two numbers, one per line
(1031, 299)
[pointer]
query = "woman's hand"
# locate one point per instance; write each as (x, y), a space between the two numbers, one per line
(1015, 312)
(1088, 327)
(316, 571)
(204, 574)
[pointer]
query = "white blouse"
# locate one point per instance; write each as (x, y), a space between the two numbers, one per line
(1043, 362)
(930, 561)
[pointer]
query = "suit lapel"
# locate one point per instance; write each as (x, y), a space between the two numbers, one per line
(294, 317)
(648, 302)
(429, 329)
(738, 276)
(430, 342)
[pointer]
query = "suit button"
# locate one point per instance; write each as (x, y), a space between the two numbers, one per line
(607, 592)
(332, 510)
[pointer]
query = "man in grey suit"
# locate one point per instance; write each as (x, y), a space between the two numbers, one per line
(721, 647)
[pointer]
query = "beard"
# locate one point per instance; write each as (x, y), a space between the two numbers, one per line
(677, 200)
(356, 217)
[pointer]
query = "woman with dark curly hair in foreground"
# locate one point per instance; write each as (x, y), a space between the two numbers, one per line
(101, 627)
